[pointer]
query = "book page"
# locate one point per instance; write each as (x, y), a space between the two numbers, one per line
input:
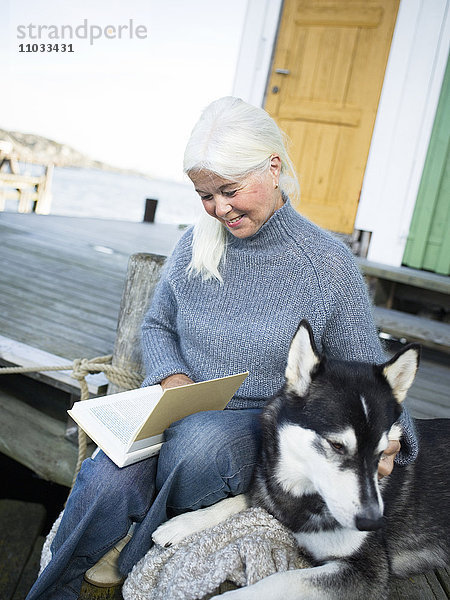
(120, 425)
(120, 414)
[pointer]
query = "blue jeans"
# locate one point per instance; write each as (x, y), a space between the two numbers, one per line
(205, 458)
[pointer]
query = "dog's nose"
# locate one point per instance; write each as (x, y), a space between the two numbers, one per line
(369, 523)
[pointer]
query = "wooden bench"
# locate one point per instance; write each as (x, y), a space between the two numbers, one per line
(390, 286)
(402, 325)
(13, 353)
(407, 276)
(33, 192)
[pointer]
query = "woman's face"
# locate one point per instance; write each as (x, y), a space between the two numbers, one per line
(243, 207)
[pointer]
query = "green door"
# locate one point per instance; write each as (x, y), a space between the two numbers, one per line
(428, 245)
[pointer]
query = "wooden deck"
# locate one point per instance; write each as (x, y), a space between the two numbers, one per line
(60, 287)
(62, 278)
(21, 543)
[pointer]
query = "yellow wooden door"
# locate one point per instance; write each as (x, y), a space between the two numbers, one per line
(323, 91)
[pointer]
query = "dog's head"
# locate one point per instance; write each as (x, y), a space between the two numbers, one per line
(335, 419)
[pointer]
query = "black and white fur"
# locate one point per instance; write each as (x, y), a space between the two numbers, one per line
(323, 437)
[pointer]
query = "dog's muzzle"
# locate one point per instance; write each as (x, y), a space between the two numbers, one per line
(370, 520)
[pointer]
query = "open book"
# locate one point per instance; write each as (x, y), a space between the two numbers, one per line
(130, 426)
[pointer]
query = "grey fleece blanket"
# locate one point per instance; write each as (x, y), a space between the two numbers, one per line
(243, 549)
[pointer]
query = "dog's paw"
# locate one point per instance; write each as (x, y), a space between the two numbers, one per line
(176, 529)
(182, 526)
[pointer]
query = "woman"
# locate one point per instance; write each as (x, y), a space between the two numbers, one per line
(230, 299)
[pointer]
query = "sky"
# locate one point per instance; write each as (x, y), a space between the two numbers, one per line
(130, 95)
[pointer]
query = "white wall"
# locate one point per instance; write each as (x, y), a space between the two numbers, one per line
(403, 126)
(257, 46)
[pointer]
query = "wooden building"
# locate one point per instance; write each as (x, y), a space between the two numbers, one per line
(361, 89)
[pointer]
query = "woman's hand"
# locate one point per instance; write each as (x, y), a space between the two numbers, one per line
(175, 381)
(386, 463)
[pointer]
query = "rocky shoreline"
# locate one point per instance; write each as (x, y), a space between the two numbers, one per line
(32, 148)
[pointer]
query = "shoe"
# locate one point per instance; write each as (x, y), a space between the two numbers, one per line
(105, 572)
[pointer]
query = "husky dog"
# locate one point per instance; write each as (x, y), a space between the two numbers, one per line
(323, 436)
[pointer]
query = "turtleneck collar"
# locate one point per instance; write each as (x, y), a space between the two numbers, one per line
(284, 221)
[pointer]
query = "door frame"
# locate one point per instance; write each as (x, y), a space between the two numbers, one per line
(256, 50)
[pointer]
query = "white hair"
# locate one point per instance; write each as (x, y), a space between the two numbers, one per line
(232, 139)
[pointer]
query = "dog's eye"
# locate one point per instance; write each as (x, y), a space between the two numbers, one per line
(339, 448)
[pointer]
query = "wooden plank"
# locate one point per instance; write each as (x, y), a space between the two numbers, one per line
(406, 275)
(418, 298)
(64, 318)
(54, 291)
(74, 253)
(13, 352)
(438, 402)
(57, 264)
(52, 275)
(13, 180)
(123, 237)
(33, 325)
(435, 364)
(64, 255)
(401, 325)
(92, 592)
(69, 335)
(30, 571)
(429, 395)
(20, 524)
(85, 309)
(49, 259)
(423, 409)
(36, 441)
(52, 307)
(431, 390)
(430, 385)
(321, 112)
(344, 15)
(417, 587)
(53, 342)
(143, 275)
(444, 579)
(442, 264)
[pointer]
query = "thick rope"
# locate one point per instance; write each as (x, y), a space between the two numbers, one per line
(80, 368)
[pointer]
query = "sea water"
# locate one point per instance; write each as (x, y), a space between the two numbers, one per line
(80, 192)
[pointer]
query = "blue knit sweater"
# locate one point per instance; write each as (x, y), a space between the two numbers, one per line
(288, 271)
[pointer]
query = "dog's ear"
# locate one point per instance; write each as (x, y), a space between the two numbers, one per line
(302, 360)
(401, 370)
